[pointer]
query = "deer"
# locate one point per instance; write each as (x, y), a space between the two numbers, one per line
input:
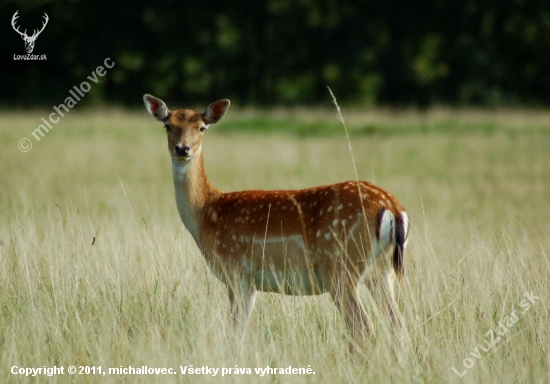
(295, 242)
(29, 40)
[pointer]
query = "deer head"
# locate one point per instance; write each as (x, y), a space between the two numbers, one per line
(29, 40)
(185, 127)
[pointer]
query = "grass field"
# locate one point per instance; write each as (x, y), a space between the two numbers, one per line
(96, 268)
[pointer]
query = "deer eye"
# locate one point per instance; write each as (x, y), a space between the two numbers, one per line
(202, 129)
(167, 128)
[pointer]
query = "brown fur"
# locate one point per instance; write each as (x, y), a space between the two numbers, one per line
(305, 241)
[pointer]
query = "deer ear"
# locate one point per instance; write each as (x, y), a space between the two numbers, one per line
(215, 111)
(156, 108)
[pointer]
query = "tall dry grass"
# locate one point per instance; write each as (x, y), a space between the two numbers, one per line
(97, 269)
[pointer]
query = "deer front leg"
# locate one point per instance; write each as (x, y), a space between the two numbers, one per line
(242, 297)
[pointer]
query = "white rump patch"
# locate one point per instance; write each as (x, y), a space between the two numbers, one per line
(406, 225)
(386, 229)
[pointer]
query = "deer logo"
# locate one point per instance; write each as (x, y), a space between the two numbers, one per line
(29, 40)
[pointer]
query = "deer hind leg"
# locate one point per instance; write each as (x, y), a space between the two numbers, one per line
(345, 294)
(242, 297)
(381, 287)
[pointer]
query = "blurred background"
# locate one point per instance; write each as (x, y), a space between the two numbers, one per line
(283, 52)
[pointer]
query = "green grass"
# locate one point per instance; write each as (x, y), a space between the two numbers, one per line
(476, 185)
(321, 122)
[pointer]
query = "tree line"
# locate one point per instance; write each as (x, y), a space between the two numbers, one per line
(282, 52)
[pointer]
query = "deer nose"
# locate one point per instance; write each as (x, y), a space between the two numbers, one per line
(182, 151)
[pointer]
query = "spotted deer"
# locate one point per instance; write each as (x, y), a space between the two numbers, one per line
(296, 242)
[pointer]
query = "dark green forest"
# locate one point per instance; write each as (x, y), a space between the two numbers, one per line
(282, 52)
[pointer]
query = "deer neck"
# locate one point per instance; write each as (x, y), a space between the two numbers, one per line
(193, 193)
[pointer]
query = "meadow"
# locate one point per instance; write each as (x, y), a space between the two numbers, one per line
(96, 268)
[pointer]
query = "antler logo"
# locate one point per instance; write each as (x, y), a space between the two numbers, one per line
(29, 40)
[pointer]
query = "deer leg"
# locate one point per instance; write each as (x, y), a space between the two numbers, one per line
(242, 297)
(233, 305)
(381, 288)
(346, 298)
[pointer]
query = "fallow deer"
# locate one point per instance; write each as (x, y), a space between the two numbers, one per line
(298, 242)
